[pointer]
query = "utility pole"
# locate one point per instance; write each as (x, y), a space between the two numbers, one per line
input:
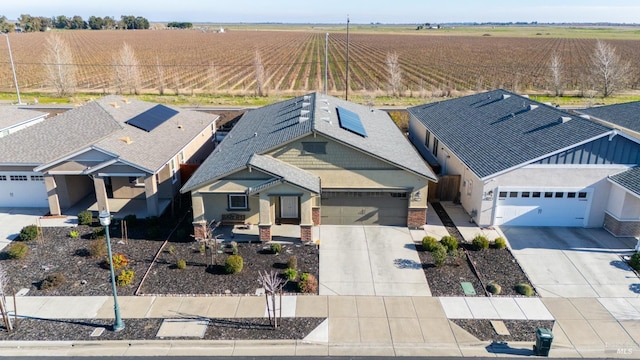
(346, 81)
(15, 79)
(326, 60)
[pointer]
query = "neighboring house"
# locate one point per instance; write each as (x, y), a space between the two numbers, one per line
(310, 160)
(625, 117)
(13, 119)
(113, 148)
(523, 163)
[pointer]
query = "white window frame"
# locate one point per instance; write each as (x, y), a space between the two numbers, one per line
(138, 180)
(246, 202)
(181, 157)
(172, 167)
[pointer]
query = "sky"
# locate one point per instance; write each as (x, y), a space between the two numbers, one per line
(336, 11)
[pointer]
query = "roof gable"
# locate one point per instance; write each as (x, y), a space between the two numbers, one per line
(629, 179)
(495, 131)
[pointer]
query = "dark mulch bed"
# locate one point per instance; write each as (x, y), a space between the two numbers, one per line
(59, 253)
(201, 278)
(521, 330)
(146, 329)
(497, 265)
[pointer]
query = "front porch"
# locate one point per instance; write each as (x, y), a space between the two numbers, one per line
(119, 208)
(279, 233)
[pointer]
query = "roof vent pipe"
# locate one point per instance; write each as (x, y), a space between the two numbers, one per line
(505, 96)
(564, 119)
(533, 107)
(585, 116)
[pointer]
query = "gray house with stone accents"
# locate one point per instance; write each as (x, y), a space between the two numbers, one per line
(311, 160)
(524, 163)
(110, 151)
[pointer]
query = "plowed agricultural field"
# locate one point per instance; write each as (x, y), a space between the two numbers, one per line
(194, 61)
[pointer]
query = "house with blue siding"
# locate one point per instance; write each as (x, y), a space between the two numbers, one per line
(524, 163)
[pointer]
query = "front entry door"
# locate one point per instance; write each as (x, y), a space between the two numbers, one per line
(289, 207)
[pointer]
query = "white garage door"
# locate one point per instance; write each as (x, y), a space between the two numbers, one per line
(22, 189)
(542, 207)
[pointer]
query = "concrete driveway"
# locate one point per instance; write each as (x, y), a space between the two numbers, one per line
(574, 262)
(12, 220)
(370, 260)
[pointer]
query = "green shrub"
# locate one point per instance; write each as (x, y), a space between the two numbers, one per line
(18, 250)
(308, 284)
(439, 254)
(449, 242)
(74, 234)
(233, 264)
(500, 243)
(98, 248)
(131, 219)
(480, 242)
(98, 233)
(429, 243)
(181, 264)
(291, 274)
(119, 261)
(85, 217)
(634, 261)
(292, 262)
(276, 248)
(29, 232)
(524, 289)
(52, 281)
(125, 278)
(494, 288)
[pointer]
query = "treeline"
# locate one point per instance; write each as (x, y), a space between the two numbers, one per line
(28, 23)
(180, 25)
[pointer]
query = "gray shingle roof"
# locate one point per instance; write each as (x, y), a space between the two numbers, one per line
(11, 116)
(102, 125)
(626, 115)
(497, 130)
(629, 180)
(287, 172)
(273, 125)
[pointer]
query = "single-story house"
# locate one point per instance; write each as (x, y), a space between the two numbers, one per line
(14, 119)
(114, 150)
(309, 160)
(524, 163)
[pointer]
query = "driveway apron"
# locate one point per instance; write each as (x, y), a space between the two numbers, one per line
(370, 260)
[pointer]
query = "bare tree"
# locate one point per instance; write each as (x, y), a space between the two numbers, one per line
(260, 75)
(61, 71)
(212, 73)
(126, 70)
(273, 285)
(555, 66)
(160, 75)
(395, 75)
(610, 73)
(4, 311)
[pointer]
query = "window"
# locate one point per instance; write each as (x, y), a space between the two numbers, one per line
(136, 181)
(559, 194)
(37, 178)
(571, 195)
(3, 177)
(536, 194)
(582, 195)
(427, 138)
(526, 194)
(435, 146)
(18, 177)
(309, 148)
(172, 166)
(502, 194)
(181, 157)
(513, 194)
(548, 194)
(237, 202)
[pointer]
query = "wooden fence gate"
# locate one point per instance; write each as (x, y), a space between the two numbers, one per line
(446, 189)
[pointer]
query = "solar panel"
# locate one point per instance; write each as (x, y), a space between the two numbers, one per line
(152, 118)
(350, 121)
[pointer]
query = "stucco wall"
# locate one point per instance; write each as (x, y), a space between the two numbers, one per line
(72, 188)
(622, 204)
(201, 146)
(216, 204)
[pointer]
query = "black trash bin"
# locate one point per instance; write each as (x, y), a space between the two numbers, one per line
(544, 338)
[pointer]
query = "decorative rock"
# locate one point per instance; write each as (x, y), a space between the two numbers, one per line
(260, 291)
(227, 292)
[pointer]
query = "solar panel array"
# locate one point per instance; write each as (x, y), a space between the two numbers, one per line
(350, 121)
(152, 118)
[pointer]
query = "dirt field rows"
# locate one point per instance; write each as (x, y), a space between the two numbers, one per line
(198, 62)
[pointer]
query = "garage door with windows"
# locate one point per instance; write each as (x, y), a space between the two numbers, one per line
(364, 208)
(542, 207)
(23, 189)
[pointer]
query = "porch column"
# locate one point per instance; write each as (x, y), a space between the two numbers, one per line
(101, 194)
(151, 193)
(52, 195)
(199, 221)
(306, 222)
(265, 217)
